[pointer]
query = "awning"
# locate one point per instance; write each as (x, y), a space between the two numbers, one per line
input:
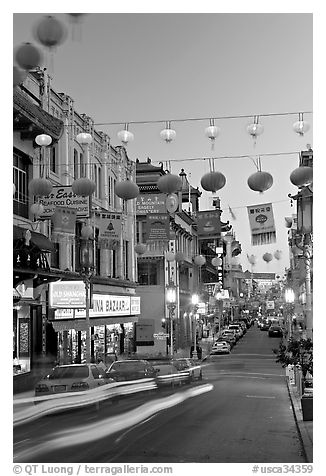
(42, 120)
(16, 295)
(80, 324)
(39, 240)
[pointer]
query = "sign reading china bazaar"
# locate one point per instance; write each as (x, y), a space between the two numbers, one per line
(104, 305)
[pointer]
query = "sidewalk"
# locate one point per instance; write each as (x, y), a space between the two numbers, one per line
(305, 428)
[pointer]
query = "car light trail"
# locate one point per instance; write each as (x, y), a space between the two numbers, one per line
(94, 431)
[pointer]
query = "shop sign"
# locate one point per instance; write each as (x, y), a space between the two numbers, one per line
(146, 204)
(201, 308)
(104, 305)
(145, 332)
(63, 196)
(270, 305)
(208, 224)
(109, 226)
(67, 294)
(158, 227)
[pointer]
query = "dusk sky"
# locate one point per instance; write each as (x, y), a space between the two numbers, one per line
(176, 66)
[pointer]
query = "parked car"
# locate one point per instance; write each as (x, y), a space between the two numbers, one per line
(71, 378)
(238, 329)
(275, 331)
(230, 334)
(242, 325)
(193, 369)
(221, 347)
(123, 370)
(229, 339)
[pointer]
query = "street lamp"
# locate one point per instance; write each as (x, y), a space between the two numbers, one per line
(87, 272)
(289, 299)
(194, 301)
(171, 300)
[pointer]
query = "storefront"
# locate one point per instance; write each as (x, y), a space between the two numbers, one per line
(112, 320)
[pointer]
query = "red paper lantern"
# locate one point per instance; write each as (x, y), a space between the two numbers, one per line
(83, 186)
(199, 260)
(28, 56)
(40, 187)
(86, 232)
(267, 257)
(217, 261)
(37, 209)
(49, 31)
(126, 190)
(140, 248)
(260, 181)
(252, 259)
(213, 181)
(278, 254)
(169, 183)
(302, 176)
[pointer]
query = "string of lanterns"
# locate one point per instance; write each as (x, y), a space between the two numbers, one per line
(267, 257)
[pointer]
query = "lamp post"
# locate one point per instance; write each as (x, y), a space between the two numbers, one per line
(289, 299)
(171, 300)
(87, 272)
(195, 300)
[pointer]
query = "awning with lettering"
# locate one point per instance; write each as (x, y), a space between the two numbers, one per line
(39, 240)
(80, 324)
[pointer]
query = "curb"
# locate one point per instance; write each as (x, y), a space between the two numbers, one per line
(305, 435)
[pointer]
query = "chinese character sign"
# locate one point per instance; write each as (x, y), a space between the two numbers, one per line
(64, 220)
(261, 221)
(157, 227)
(110, 226)
(208, 223)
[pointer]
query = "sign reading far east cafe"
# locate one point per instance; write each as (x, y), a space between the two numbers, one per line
(63, 196)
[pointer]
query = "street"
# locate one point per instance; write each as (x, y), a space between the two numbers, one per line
(240, 412)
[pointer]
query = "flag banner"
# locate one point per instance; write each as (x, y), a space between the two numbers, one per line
(157, 227)
(208, 224)
(64, 221)
(261, 221)
(109, 226)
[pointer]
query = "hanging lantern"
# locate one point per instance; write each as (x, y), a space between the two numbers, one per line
(126, 190)
(212, 132)
(37, 209)
(49, 31)
(83, 186)
(301, 126)
(169, 256)
(213, 181)
(28, 56)
(19, 76)
(40, 187)
(125, 135)
(302, 176)
(140, 248)
(169, 183)
(168, 134)
(86, 232)
(43, 140)
(199, 260)
(288, 222)
(260, 181)
(84, 138)
(217, 261)
(179, 256)
(255, 129)
(252, 259)
(278, 254)
(267, 257)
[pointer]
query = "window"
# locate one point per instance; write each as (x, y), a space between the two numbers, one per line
(76, 165)
(20, 180)
(53, 159)
(147, 273)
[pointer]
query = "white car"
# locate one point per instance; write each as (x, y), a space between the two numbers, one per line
(237, 328)
(221, 347)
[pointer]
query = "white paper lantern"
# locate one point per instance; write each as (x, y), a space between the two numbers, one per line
(43, 140)
(84, 138)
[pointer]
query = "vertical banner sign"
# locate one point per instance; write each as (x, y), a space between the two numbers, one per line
(261, 221)
(157, 227)
(208, 224)
(64, 220)
(109, 229)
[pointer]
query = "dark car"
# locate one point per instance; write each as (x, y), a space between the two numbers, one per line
(122, 370)
(275, 331)
(264, 326)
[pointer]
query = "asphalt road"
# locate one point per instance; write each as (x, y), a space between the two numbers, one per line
(240, 412)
